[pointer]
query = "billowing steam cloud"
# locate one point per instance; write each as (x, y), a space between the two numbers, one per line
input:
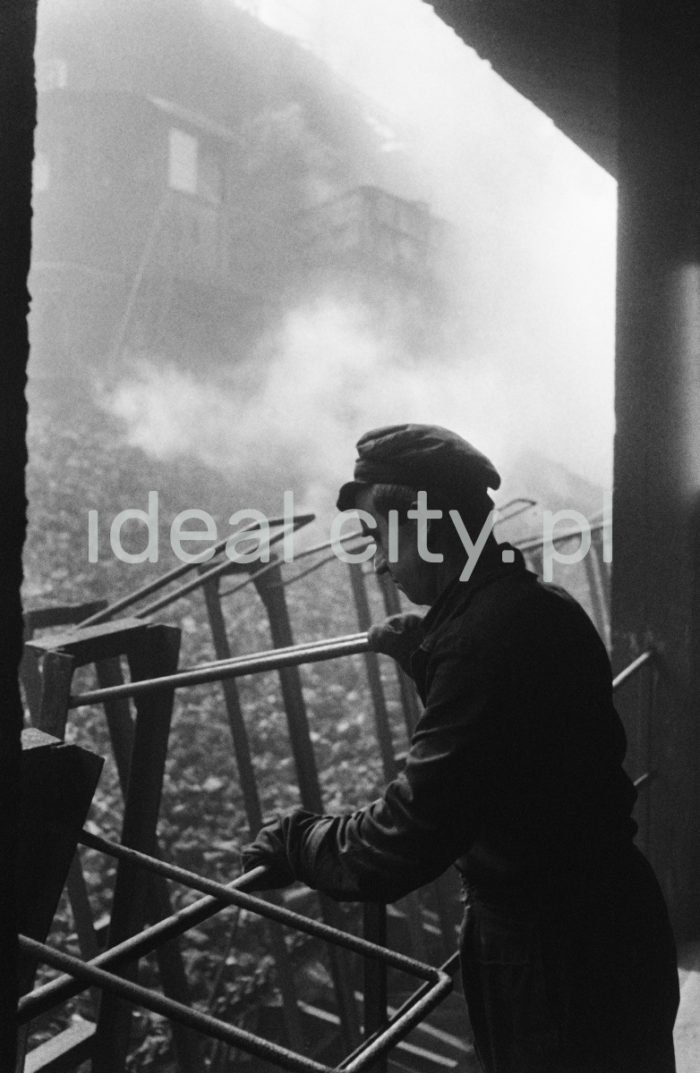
(532, 289)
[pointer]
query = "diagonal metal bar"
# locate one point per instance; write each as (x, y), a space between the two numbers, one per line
(632, 668)
(238, 667)
(448, 968)
(172, 575)
(47, 996)
(131, 992)
(221, 568)
(238, 896)
(441, 984)
(305, 553)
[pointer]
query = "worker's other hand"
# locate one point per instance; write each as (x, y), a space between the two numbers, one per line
(398, 636)
(270, 851)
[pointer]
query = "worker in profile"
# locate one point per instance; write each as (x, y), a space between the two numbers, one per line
(514, 774)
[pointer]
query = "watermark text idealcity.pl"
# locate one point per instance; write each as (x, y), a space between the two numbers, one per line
(250, 540)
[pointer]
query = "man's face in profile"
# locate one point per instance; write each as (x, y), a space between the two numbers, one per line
(397, 549)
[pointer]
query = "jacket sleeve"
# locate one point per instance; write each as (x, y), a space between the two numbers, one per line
(428, 815)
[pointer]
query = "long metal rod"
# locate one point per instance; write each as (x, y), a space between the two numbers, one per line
(296, 577)
(557, 538)
(399, 1027)
(221, 568)
(300, 555)
(632, 668)
(217, 1029)
(47, 996)
(448, 967)
(254, 813)
(238, 667)
(221, 895)
(175, 1011)
(424, 999)
(236, 896)
(502, 517)
(176, 572)
(309, 646)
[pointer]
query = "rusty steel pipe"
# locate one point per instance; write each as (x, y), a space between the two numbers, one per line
(238, 667)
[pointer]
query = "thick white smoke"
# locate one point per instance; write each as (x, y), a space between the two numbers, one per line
(533, 368)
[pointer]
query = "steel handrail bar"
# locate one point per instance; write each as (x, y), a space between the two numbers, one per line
(307, 645)
(633, 667)
(50, 994)
(238, 1037)
(256, 574)
(538, 542)
(237, 667)
(302, 573)
(211, 575)
(273, 659)
(514, 513)
(172, 575)
(221, 568)
(356, 535)
(301, 555)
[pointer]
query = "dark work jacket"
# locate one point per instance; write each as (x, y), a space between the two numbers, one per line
(514, 769)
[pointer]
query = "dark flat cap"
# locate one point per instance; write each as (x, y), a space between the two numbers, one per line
(425, 457)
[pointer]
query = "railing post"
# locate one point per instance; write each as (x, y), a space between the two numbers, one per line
(139, 749)
(157, 654)
(375, 977)
(251, 801)
(271, 590)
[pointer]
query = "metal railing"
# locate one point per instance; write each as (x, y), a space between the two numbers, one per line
(236, 667)
(227, 670)
(288, 525)
(79, 975)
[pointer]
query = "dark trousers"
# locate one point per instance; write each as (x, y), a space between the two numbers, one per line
(576, 977)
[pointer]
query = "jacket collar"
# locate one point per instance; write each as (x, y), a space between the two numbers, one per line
(458, 594)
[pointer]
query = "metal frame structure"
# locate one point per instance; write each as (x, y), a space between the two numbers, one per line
(382, 1032)
(101, 640)
(155, 695)
(80, 975)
